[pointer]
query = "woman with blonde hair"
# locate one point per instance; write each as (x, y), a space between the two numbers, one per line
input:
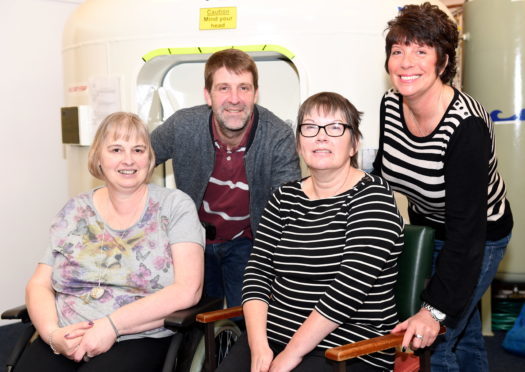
(121, 258)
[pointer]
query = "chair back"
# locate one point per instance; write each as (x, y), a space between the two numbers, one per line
(415, 266)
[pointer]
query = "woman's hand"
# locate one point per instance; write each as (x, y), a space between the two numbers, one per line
(261, 359)
(421, 330)
(66, 340)
(97, 340)
(285, 362)
(255, 312)
(40, 300)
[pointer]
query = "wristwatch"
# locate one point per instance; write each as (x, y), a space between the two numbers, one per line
(435, 313)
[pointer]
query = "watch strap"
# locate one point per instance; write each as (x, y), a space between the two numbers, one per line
(435, 313)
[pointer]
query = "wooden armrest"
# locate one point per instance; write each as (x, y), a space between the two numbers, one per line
(19, 312)
(186, 317)
(213, 316)
(208, 318)
(364, 347)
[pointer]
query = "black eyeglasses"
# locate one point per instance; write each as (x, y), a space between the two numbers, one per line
(332, 129)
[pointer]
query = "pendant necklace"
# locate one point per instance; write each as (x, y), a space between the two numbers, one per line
(417, 126)
(97, 292)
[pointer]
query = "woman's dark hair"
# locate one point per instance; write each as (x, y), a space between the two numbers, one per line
(426, 24)
(330, 103)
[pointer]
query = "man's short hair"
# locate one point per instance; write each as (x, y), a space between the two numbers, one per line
(234, 60)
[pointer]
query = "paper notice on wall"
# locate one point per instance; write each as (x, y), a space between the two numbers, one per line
(104, 95)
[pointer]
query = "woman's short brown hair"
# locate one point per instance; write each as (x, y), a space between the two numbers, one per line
(426, 24)
(234, 60)
(330, 103)
(119, 125)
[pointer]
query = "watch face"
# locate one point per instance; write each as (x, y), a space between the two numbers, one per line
(438, 314)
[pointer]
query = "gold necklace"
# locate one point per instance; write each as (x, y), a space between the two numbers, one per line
(416, 125)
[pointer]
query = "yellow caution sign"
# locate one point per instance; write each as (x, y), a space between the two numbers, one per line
(218, 18)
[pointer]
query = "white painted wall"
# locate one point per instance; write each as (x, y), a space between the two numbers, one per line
(33, 186)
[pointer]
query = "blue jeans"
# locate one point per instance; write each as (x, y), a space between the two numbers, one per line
(224, 265)
(462, 348)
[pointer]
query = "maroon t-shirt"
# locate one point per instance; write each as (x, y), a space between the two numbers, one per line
(226, 202)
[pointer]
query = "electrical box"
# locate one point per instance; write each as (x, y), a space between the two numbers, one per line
(77, 125)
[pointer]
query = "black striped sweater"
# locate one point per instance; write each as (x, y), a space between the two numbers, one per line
(337, 255)
(451, 181)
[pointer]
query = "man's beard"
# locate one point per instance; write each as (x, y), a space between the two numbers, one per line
(223, 124)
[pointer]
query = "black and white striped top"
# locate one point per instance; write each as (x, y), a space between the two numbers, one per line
(451, 181)
(416, 166)
(337, 255)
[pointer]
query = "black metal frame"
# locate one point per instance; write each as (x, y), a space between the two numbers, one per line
(180, 321)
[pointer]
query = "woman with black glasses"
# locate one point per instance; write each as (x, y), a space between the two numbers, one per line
(323, 267)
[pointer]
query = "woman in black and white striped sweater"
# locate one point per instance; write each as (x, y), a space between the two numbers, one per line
(324, 262)
(437, 147)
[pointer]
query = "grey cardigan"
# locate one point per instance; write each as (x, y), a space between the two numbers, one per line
(271, 158)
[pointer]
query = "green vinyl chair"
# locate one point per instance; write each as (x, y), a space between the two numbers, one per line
(415, 269)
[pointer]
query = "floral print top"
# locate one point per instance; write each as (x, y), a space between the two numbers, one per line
(97, 269)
